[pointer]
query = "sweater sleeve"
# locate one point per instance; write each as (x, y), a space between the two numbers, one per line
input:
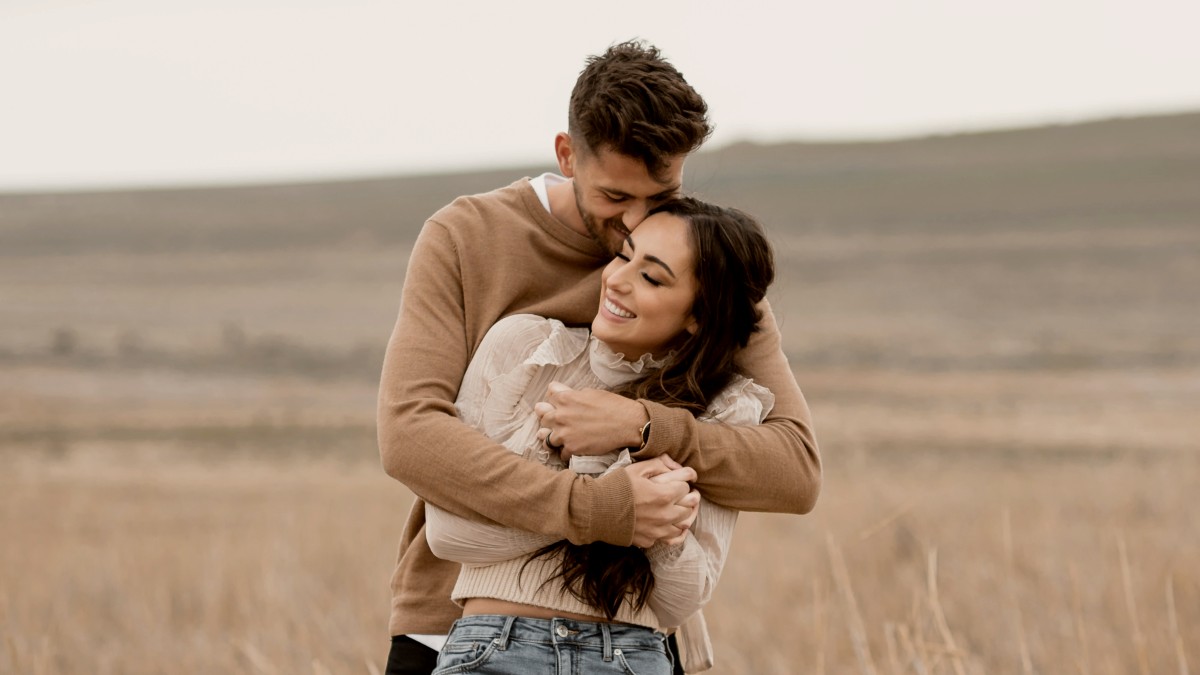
(424, 445)
(472, 543)
(774, 466)
(685, 575)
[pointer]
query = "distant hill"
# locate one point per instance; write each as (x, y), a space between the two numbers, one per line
(1059, 248)
(1102, 171)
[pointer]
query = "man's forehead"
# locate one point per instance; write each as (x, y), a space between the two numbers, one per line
(629, 176)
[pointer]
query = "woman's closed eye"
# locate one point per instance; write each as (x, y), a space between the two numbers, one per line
(652, 280)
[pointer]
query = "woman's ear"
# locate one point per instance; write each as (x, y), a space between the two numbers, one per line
(692, 327)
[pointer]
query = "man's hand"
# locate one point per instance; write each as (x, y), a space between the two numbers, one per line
(589, 421)
(664, 504)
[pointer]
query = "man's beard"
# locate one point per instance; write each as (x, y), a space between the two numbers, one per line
(598, 230)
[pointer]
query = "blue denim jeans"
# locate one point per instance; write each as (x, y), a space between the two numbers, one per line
(510, 645)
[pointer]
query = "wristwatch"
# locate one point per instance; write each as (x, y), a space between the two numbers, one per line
(645, 435)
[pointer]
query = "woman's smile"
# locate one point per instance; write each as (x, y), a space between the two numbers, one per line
(617, 310)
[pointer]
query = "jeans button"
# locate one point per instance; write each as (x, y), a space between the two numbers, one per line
(561, 630)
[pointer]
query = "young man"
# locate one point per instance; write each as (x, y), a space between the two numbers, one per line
(537, 247)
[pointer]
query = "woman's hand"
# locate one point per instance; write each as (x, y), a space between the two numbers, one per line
(690, 500)
(664, 503)
(589, 421)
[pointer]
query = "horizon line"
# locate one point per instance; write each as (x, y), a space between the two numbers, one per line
(367, 174)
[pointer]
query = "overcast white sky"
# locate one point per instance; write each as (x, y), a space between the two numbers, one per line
(133, 92)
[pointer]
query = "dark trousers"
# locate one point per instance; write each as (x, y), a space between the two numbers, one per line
(409, 657)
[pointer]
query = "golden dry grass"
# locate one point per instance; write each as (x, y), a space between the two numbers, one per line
(934, 551)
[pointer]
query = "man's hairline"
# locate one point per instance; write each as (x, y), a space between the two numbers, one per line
(586, 151)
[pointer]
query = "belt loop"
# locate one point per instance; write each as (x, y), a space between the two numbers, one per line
(606, 634)
(503, 639)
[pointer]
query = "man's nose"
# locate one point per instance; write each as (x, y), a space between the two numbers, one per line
(634, 216)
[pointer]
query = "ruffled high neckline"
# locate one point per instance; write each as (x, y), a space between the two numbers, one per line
(614, 369)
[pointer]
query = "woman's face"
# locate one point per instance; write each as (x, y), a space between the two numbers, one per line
(646, 292)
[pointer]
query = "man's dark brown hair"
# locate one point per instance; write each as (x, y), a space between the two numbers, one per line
(629, 99)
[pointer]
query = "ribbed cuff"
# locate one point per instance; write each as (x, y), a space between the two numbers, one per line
(612, 517)
(668, 429)
(662, 554)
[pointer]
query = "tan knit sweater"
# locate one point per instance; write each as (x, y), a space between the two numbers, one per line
(485, 257)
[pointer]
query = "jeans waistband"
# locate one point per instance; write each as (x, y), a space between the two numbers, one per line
(605, 636)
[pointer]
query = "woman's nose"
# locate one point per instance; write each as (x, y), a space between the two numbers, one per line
(619, 280)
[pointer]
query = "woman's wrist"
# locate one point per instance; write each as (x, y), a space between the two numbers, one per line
(636, 430)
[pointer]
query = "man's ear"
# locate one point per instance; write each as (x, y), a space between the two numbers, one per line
(565, 154)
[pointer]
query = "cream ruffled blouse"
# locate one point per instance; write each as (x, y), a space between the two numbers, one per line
(509, 374)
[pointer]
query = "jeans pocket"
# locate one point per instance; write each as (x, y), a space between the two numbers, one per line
(643, 661)
(464, 656)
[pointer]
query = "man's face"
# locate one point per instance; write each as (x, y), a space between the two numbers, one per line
(613, 192)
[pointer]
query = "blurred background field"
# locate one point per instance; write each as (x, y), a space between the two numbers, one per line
(998, 333)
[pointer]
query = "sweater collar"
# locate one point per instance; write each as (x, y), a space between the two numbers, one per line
(557, 229)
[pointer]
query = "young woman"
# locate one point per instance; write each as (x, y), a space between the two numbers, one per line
(676, 305)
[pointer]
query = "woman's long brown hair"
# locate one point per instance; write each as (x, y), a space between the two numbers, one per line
(733, 268)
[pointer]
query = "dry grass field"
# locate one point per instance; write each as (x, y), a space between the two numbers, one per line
(952, 545)
(998, 335)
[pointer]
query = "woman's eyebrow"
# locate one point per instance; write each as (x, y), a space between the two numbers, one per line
(665, 266)
(651, 258)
